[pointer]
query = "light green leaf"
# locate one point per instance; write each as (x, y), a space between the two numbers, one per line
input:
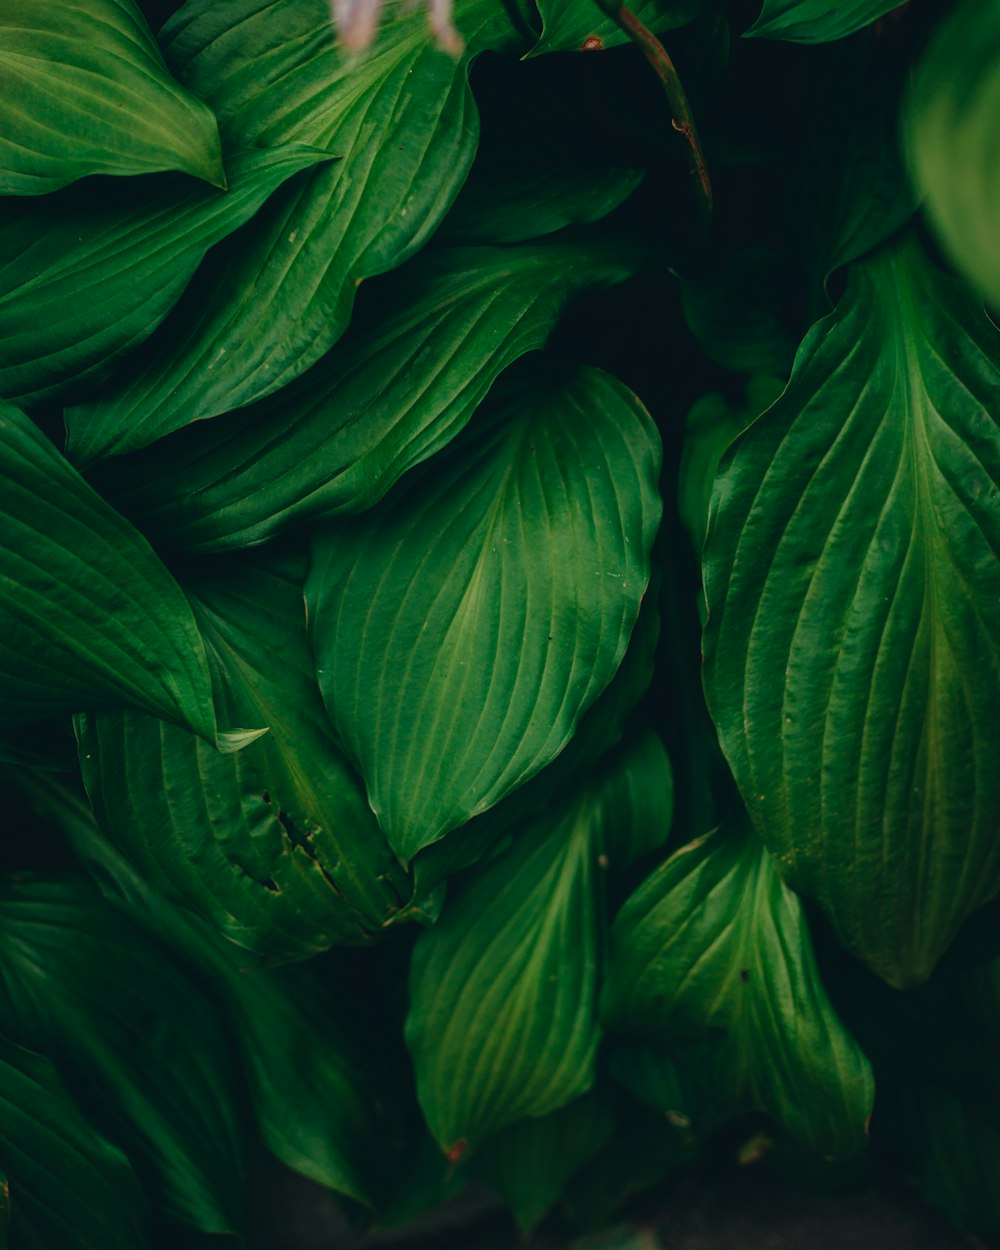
(714, 947)
(531, 1162)
(712, 424)
(500, 639)
(953, 139)
(66, 1185)
(816, 21)
(275, 846)
(88, 615)
(84, 90)
(580, 25)
(419, 358)
(852, 653)
(141, 1041)
(273, 299)
(89, 272)
(503, 989)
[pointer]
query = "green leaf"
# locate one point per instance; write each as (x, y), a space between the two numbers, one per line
(419, 358)
(713, 948)
(816, 21)
(84, 90)
(539, 196)
(712, 424)
(318, 1096)
(499, 643)
(141, 1042)
(953, 136)
(851, 652)
(503, 989)
(580, 26)
(274, 298)
(531, 1162)
(89, 272)
(66, 1185)
(276, 846)
(88, 614)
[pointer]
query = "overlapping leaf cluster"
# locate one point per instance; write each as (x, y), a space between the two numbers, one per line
(382, 448)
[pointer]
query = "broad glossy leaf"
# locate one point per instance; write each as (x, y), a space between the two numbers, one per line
(89, 272)
(141, 1042)
(503, 989)
(84, 90)
(713, 947)
(580, 26)
(531, 1162)
(540, 521)
(67, 1186)
(276, 846)
(273, 299)
(505, 610)
(318, 1097)
(953, 136)
(600, 730)
(419, 358)
(711, 425)
(88, 614)
(852, 653)
(816, 21)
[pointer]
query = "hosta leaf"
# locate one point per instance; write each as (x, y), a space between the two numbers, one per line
(713, 946)
(141, 1042)
(852, 654)
(954, 136)
(275, 846)
(502, 1021)
(711, 426)
(66, 1185)
(500, 642)
(88, 614)
(84, 90)
(600, 729)
(580, 26)
(816, 21)
(538, 197)
(273, 299)
(315, 1093)
(409, 374)
(89, 272)
(531, 1162)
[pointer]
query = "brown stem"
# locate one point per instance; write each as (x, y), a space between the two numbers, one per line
(683, 120)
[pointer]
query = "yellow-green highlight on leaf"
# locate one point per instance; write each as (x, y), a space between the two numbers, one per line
(84, 90)
(852, 650)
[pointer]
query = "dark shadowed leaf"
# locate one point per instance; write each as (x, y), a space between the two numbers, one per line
(275, 846)
(953, 131)
(273, 299)
(66, 1185)
(503, 989)
(531, 1162)
(502, 608)
(87, 273)
(416, 363)
(84, 90)
(89, 616)
(139, 1040)
(580, 25)
(816, 21)
(713, 949)
(851, 652)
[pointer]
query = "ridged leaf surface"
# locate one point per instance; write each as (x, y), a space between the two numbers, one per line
(817, 21)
